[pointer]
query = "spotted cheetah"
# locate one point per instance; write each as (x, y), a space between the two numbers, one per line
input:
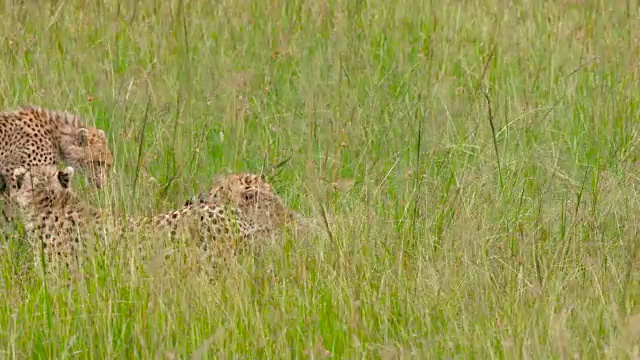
(32, 136)
(60, 222)
(51, 214)
(257, 200)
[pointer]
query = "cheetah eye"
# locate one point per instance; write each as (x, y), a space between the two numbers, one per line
(64, 179)
(249, 196)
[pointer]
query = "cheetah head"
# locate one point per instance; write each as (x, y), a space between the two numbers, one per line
(89, 151)
(243, 190)
(39, 185)
(254, 196)
(251, 194)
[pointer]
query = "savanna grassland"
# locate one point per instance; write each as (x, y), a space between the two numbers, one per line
(477, 162)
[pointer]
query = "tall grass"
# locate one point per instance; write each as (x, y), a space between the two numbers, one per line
(447, 239)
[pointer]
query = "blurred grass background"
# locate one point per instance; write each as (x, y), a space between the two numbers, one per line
(448, 239)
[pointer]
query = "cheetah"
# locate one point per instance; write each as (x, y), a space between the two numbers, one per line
(51, 214)
(60, 223)
(257, 200)
(32, 136)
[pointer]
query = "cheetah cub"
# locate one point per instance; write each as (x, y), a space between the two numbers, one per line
(61, 224)
(33, 136)
(257, 200)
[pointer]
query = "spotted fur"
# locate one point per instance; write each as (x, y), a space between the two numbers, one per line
(60, 222)
(53, 217)
(255, 197)
(34, 136)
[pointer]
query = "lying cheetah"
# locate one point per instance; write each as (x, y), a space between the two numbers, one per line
(51, 214)
(256, 198)
(32, 136)
(60, 222)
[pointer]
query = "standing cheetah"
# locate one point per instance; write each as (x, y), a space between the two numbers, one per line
(32, 136)
(58, 221)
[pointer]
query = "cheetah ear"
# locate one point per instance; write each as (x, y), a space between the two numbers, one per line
(64, 176)
(18, 176)
(82, 136)
(102, 134)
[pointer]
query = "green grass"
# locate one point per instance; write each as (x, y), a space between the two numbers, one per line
(447, 241)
